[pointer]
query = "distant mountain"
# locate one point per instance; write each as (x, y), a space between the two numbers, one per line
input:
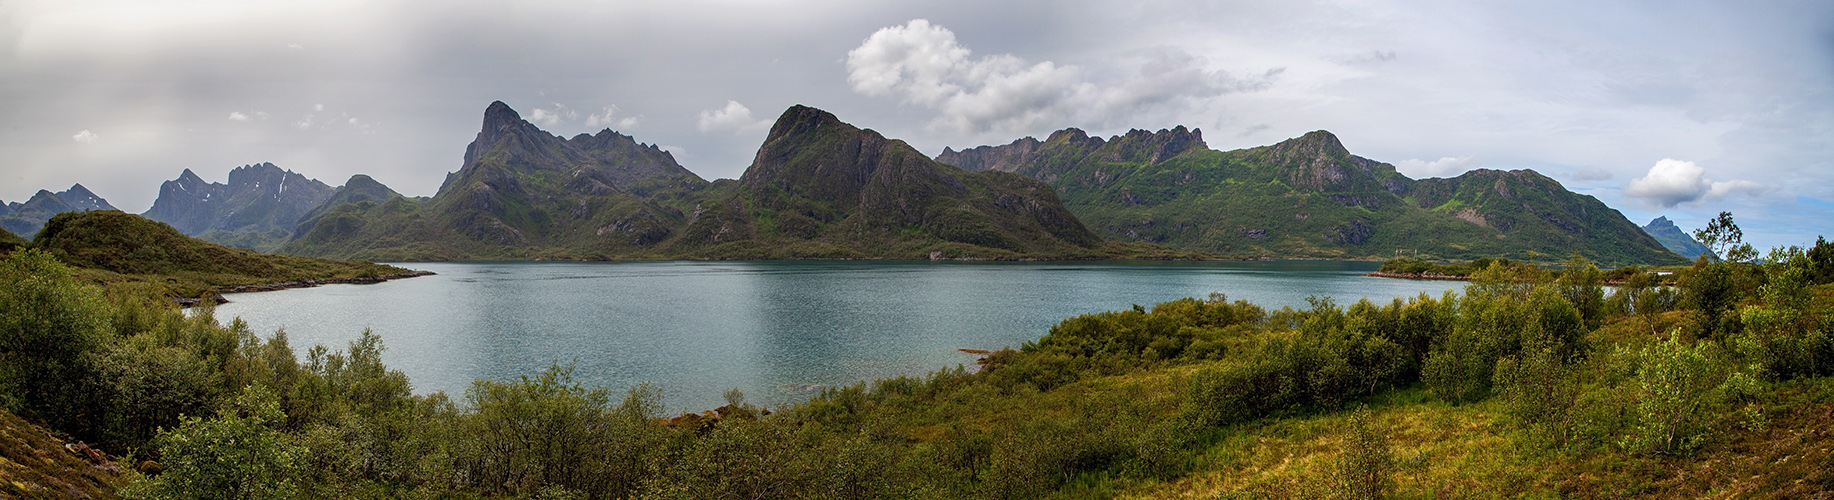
(257, 209)
(819, 187)
(522, 193)
(25, 219)
(1308, 197)
(1676, 240)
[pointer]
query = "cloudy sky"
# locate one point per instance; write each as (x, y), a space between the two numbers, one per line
(1677, 108)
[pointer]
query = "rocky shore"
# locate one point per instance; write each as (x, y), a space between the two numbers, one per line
(217, 298)
(1421, 276)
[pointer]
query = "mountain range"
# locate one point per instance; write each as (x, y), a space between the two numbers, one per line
(1308, 197)
(818, 188)
(257, 209)
(25, 219)
(822, 188)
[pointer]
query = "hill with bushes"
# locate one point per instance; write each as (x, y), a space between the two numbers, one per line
(109, 246)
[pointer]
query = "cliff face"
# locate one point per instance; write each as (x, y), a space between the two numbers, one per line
(257, 209)
(1309, 197)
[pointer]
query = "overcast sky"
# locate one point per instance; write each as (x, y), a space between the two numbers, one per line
(1677, 108)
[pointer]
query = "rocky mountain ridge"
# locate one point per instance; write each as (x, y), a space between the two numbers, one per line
(1309, 197)
(1676, 240)
(26, 218)
(257, 209)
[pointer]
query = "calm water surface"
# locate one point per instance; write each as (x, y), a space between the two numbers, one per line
(776, 330)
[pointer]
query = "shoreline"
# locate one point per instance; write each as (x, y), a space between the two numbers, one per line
(1419, 276)
(218, 298)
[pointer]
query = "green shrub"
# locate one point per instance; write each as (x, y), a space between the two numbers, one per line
(1365, 470)
(53, 332)
(239, 454)
(1678, 393)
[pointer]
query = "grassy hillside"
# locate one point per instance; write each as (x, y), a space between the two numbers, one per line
(110, 246)
(1309, 197)
(34, 464)
(1518, 388)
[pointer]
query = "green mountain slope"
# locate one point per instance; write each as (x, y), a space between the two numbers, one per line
(359, 189)
(1673, 238)
(112, 246)
(1308, 197)
(257, 209)
(823, 188)
(819, 188)
(522, 193)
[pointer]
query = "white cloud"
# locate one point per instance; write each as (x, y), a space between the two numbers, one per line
(735, 117)
(549, 118)
(303, 123)
(318, 107)
(1443, 167)
(608, 118)
(1673, 182)
(86, 137)
(237, 116)
(925, 65)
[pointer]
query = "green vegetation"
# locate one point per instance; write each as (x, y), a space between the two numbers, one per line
(1308, 197)
(1522, 386)
(107, 246)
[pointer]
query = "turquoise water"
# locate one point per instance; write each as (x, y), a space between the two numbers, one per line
(776, 330)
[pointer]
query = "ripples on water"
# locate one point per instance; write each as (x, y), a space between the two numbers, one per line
(777, 330)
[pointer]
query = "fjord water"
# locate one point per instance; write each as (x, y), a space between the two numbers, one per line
(776, 330)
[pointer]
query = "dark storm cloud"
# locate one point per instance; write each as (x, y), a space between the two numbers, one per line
(121, 95)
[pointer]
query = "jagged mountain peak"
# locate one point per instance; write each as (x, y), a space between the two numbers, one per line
(256, 209)
(1313, 144)
(81, 198)
(800, 120)
(1675, 240)
(499, 114)
(362, 181)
